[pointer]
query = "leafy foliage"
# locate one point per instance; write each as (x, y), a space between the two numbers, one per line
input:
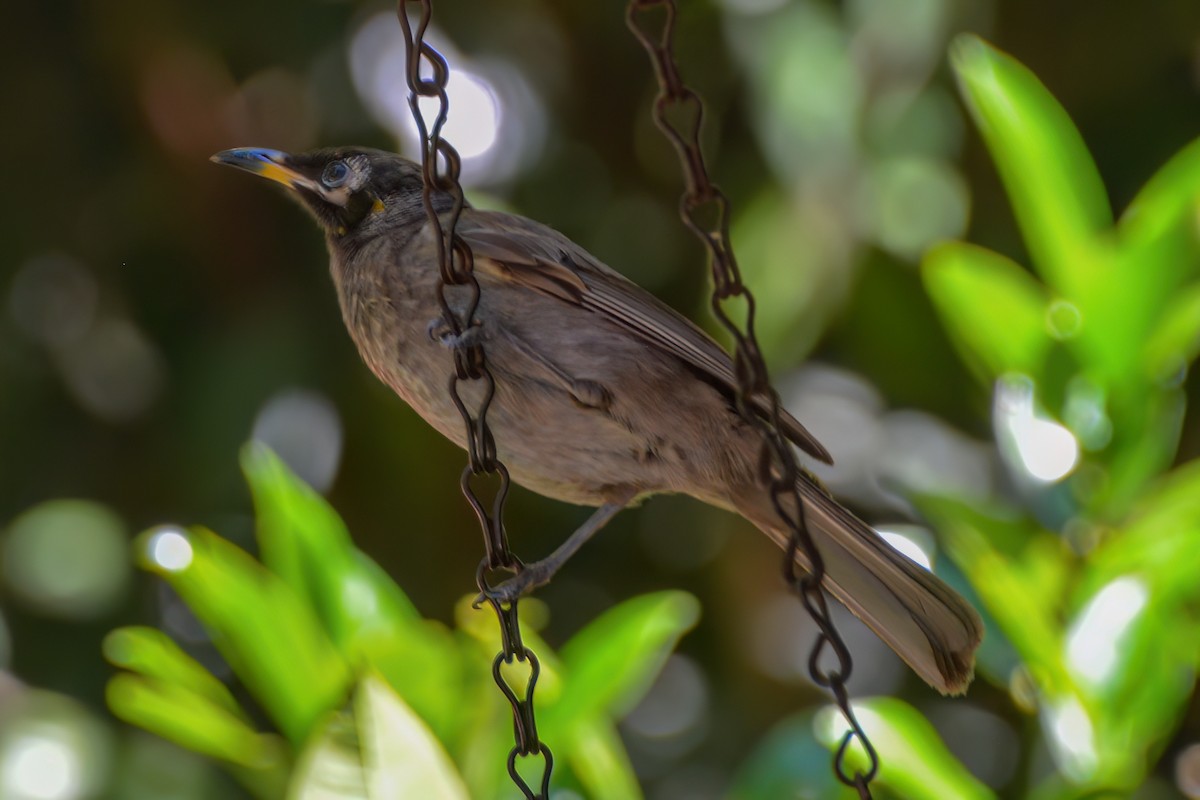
(370, 699)
(1090, 580)
(1087, 578)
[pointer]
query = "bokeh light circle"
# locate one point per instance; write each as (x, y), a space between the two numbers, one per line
(67, 558)
(51, 748)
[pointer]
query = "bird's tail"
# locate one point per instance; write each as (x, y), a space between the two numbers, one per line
(926, 622)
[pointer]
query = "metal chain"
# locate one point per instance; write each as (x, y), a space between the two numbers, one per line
(679, 114)
(456, 266)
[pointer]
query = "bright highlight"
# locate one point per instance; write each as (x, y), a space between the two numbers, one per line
(1095, 638)
(1044, 449)
(170, 549)
(908, 546)
(1073, 738)
(40, 768)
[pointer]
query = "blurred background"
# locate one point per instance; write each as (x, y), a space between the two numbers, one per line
(156, 312)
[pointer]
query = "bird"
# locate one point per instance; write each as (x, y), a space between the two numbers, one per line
(604, 395)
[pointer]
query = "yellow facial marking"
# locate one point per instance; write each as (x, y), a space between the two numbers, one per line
(377, 208)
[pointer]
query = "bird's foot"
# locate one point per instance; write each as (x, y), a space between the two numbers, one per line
(440, 331)
(523, 583)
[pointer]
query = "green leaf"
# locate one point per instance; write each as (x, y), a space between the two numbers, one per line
(153, 654)
(267, 634)
(1150, 316)
(1168, 198)
(913, 760)
(610, 664)
(371, 620)
(379, 751)
(599, 761)
(403, 758)
(789, 762)
(1146, 431)
(1019, 572)
(1175, 341)
(331, 767)
(1138, 665)
(1056, 191)
(192, 721)
(304, 541)
(994, 310)
(1133, 649)
(1161, 541)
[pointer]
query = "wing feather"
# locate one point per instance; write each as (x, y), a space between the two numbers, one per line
(521, 250)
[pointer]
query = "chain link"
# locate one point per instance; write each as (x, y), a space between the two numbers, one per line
(456, 267)
(679, 114)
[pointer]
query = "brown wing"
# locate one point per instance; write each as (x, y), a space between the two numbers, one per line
(527, 252)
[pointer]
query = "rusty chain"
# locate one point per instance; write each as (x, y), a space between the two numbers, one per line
(456, 266)
(679, 114)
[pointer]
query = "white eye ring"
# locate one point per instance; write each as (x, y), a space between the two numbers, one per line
(335, 174)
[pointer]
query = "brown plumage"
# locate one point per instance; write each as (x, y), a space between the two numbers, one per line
(604, 394)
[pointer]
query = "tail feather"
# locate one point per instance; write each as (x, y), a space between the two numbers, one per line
(926, 622)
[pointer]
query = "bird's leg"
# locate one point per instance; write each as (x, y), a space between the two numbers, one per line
(440, 331)
(539, 573)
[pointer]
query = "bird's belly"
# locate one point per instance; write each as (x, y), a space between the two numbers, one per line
(549, 444)
(659, 429)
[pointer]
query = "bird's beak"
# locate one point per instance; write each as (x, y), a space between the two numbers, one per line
(273, 164)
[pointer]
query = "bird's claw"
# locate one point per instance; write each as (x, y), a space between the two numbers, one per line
(520, 585)
(440, 331)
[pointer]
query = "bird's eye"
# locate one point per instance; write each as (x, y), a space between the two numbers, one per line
(335, 174)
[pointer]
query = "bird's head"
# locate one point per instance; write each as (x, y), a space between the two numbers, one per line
(355, 193)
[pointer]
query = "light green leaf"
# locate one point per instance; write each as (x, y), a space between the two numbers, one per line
(305, 542)
(913, 760)
(1019, 573)
(402, 757)
(1056, 191)
(1161, 540)
(1148, 310)
(153, 654)
(1133, 649)
(269, 637)
(609, 664)
(1168, 198)
(1146, 431)
(371, 620)
(480, 625)
(1143, 671)
(192, 721)
(599, 761)
(331, 767)
(1175, 341)
(379, 751)
(994, 309)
